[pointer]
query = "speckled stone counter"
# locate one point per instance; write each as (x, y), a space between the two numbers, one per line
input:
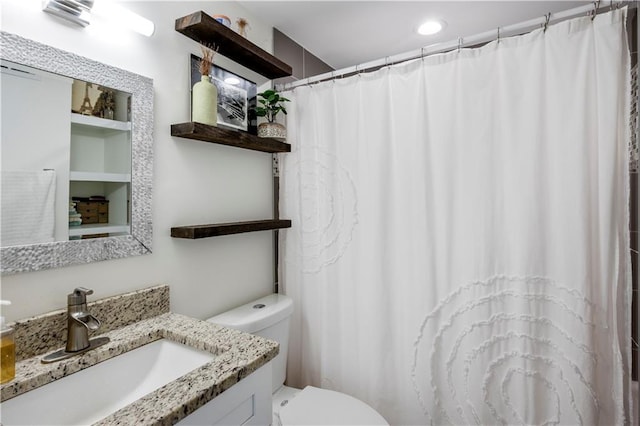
(44, 333)
(238, 354)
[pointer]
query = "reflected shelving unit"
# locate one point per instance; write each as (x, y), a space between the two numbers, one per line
(101, 165)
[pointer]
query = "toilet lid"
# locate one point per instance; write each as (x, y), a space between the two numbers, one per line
(314, 406)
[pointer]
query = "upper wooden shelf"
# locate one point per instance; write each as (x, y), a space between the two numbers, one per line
(213, 134)
(205, 30)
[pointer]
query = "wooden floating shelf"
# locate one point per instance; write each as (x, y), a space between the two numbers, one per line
(213, 134)
(205, 30)
(219, 229)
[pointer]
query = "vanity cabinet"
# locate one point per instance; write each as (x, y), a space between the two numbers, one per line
(248, 402)
(101, 166)
(205, 30)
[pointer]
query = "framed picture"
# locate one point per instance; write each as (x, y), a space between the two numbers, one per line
(236, 96)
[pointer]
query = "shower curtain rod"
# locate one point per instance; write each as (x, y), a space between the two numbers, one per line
(485, 37)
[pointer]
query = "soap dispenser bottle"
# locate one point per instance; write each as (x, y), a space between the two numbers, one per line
(7, 351)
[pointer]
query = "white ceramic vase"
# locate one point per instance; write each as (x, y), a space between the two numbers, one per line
(204, 106)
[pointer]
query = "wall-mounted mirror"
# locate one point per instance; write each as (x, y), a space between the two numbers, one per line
(77, 159)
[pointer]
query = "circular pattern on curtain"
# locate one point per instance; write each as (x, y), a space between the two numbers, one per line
(489, 343)
(328, 209)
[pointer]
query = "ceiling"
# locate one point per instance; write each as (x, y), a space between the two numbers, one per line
(347, 33)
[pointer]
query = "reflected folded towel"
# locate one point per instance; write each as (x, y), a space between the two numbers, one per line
(28, 207)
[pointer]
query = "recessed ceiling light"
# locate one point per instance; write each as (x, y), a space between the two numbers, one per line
(432, 26)
(231, 80)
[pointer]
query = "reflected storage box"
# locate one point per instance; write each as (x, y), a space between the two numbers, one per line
(93, 211)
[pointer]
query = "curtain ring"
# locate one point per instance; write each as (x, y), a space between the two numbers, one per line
(498, 35)
(422, 53)
(596, 6)
(460, 43)
(386, 61)
(546, 22)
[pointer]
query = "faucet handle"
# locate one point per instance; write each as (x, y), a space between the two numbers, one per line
(79, 296)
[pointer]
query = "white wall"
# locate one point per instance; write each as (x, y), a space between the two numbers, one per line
(194, 182)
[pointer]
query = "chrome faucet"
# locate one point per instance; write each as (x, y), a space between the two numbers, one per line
(79, 320)
(79, 323)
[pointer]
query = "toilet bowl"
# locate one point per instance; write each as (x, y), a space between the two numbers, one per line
(269, 317)
(315, 406)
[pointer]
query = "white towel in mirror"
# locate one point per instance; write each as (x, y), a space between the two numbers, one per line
(27, 207)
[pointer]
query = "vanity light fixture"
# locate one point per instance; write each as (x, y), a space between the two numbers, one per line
(76, 11)
(80, 12)
(120, 16)
(431, 27)
(231, 80)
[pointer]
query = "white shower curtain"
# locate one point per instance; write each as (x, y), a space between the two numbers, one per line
(458, 251)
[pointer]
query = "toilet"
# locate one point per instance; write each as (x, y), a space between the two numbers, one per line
(269, 317)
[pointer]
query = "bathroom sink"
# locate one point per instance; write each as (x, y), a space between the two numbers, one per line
(98, 391)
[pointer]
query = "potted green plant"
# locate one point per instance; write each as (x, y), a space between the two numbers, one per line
(271, 103)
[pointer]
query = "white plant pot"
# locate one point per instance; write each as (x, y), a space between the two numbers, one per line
(272, 130)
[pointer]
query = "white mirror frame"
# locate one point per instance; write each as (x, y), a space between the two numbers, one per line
(35, 257)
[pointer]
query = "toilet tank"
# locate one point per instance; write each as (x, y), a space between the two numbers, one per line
(266, 317)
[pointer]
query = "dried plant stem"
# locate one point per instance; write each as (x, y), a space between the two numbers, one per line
(243, 24)
(206, 62)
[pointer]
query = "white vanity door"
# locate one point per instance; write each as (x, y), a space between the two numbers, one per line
(248, 402)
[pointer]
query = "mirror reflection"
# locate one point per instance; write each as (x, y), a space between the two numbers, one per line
(66, 158)
(99, 152)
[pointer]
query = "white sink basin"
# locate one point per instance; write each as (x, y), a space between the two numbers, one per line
(98, 391)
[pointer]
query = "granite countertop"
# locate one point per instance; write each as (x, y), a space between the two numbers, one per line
(238, 354)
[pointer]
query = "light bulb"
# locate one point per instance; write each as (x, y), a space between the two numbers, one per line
(431, 27)
(122, 17)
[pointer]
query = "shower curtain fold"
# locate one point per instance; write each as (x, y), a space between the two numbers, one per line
(460, 223)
